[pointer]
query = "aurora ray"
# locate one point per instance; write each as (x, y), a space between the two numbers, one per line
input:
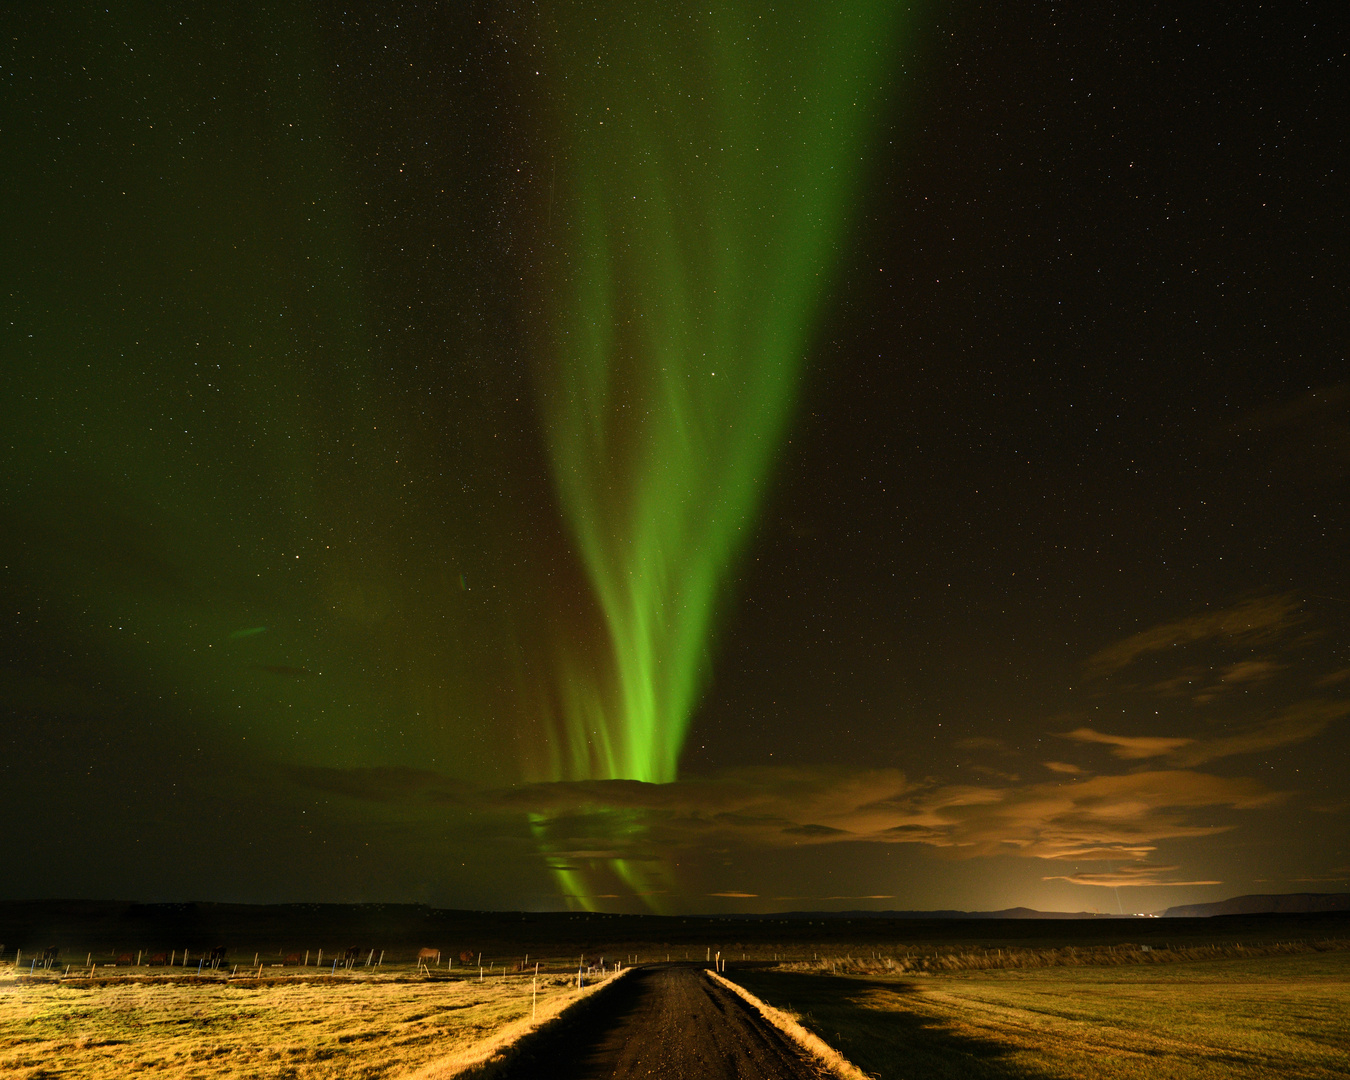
(709, 161)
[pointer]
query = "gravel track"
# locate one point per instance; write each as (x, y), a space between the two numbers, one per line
(666, 1023)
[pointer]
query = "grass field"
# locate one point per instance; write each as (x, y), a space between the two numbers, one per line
(363, 1027)
(1270, 1016)
(1189, 999)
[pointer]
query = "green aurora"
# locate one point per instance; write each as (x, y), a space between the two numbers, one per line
(710, 162)
(217, 428)
(710, 166)
(302, 543)
(374, 528)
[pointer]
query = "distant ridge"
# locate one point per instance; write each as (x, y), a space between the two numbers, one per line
(1297, 903)
(1006, 913)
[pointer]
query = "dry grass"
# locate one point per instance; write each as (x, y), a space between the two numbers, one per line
(1249, 1018)
(825, 1055)
(346, 1027)
(953, 959)
(490, 1056)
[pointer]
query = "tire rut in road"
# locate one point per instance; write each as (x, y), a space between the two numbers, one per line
(665, 1023)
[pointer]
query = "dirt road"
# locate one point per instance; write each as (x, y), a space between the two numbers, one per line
(666, 1023)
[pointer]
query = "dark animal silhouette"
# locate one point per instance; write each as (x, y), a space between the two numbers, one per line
(216, 956)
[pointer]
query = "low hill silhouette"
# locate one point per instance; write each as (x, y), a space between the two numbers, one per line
(1263, 904)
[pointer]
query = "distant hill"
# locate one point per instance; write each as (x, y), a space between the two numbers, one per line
(1275, 903)
(1006, 913)
(107, 928)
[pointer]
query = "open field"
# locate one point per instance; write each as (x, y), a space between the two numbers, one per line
(1249, 996)
(1256, 1017)
(364, 1025)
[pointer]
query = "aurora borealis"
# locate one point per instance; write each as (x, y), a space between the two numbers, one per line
(747, 457)
(710, 159)
(710, 162)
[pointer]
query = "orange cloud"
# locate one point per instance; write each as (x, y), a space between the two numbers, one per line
(1088, 818)
(1103, 817)
(1096, 818)
(1262, 619)
(1296, 723)
(1244, 672)
(1250, 671)
(1184, 682)
(1129, 747)
(1135, 875)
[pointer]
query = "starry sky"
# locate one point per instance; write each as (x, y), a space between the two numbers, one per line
(752, 457)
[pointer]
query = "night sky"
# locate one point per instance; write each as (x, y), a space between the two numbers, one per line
(747, 457)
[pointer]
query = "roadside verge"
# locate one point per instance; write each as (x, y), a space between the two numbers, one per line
(486, 1059)
(815, 1047)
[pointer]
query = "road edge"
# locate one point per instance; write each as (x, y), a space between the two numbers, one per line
(486, 1059)
(813, 1045)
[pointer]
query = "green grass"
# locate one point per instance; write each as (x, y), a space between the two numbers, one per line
(1271, 1016)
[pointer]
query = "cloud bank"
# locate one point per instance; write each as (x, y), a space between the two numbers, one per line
(1095, 819)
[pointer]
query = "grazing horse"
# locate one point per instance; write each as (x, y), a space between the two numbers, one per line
(49, 956)
(124, 958)
(466, 956)
(216, 956)
(427, 955)
(293, 958)
(351, 956)
(160, 958)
